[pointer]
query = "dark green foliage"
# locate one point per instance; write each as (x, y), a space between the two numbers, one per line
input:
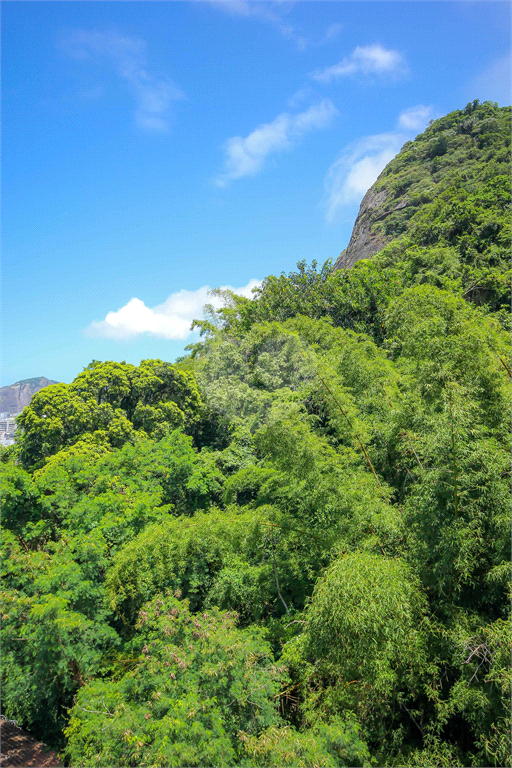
(292, 547)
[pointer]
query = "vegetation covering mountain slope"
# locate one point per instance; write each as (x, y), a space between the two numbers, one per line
(291, 547)
(448, 187)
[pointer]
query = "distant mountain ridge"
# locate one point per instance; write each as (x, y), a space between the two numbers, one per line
(15, 397)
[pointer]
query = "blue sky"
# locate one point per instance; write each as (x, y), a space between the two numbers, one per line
(154, 149)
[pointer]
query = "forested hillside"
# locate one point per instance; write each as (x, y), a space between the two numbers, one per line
(292, 546)
(447, 187)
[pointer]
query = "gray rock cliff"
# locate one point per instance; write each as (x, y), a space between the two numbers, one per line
(15, 397)
(363, 242)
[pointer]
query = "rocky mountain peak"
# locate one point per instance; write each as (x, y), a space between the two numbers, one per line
(15, 397)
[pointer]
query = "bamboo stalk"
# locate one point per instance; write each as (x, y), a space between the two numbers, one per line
(505, 366)
(454, 461)
(412, 449)
(275, 574)
(359, 442)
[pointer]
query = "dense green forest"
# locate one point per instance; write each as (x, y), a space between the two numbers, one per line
(292, 546)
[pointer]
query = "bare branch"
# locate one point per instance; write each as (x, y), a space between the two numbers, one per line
(295, 621)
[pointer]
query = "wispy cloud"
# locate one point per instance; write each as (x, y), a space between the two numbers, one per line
(301, 96)
(170, 320)
(361, 162)
(266, 12)
(333, 32)
(416, 118)
(365, 60)
(260, 10)
(357, 168)
(494, 83)
(246, 156)
(126, 54)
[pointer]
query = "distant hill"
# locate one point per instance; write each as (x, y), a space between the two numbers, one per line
(15, 397)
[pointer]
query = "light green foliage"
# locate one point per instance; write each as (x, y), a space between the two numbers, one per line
(119, 492)
(478, 702)
(194, 682)
(457, 513)
(444, 340)
(328, 492)
(488, 660)
(55, 418)
(455, 399)
(110, 401)
(244, 377)
(187, 554)
(363, 629)
(133, 388)
(68, 518)
(333, 745)
(23, 509)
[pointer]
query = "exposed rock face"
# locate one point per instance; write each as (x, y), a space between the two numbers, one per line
(14, 398)
(364, 243)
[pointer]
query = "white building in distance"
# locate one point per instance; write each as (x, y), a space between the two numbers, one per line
(8, 427)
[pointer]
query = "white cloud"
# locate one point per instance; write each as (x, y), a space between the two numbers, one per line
(494, 83)
(357, 169)
(262, 11)
(170, 320)
(266, 12)
(245, 157)
(154, 95)
(365, 60)
(416, 118)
